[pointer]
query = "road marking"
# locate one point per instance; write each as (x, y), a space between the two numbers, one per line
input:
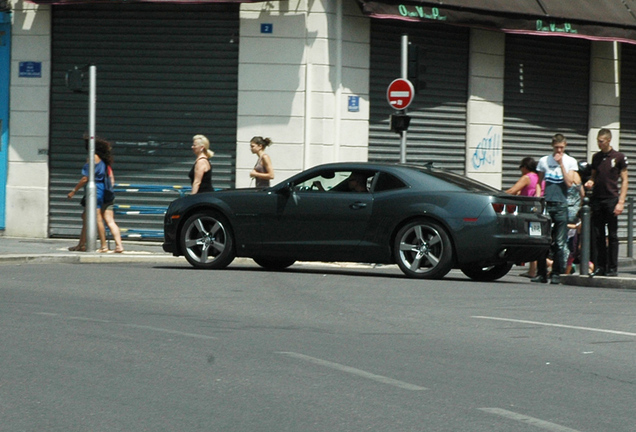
(354, 371)
(528, 420)
(137, 326)
(175, 332)
(616, 332)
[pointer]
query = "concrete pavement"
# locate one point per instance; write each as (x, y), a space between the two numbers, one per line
(28, 250)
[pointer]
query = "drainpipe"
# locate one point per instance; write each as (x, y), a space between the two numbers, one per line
(338, 104)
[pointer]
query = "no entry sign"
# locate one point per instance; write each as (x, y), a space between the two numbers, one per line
(400, 93)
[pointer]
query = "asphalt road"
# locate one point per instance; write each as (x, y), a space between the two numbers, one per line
(133, 347)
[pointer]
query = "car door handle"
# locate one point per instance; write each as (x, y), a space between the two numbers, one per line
(357, 205)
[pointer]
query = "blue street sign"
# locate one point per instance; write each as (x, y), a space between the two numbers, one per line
(30, 70)
(354, 103)
(267, 28)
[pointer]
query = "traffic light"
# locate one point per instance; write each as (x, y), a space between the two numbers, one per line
(75, 79)
(417, 67)
(399, 122)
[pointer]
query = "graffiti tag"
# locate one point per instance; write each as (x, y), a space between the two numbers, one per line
(487, 151)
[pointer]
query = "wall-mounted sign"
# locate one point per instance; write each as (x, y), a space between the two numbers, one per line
(267, 28)
(354, 104)
(30, 70)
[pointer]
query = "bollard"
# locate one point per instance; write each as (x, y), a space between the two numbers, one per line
(585, 237)
(630, 227)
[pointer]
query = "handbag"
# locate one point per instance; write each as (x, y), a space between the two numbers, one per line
(109, 192)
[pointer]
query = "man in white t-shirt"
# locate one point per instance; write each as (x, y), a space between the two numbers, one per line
(557, 172)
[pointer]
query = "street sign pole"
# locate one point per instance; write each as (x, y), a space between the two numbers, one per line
(404, 73)
(91, 190)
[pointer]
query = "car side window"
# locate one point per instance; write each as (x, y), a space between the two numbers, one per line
(387, 182)
(337, 181)
(322, 182)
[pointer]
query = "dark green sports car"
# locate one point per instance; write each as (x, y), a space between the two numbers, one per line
(424, 219)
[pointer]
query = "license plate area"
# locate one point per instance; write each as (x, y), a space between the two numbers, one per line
(534, 228)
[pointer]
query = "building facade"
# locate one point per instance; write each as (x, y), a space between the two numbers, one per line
(311, 75)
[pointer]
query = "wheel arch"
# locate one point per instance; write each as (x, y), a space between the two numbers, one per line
(429, 217)
(201, 208)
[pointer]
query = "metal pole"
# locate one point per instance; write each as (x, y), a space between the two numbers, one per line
(630, 227)
(404, 69)
(585, 237)
(91, 190)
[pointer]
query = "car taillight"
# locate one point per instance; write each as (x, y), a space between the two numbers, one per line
(505, 208)
(499, 208)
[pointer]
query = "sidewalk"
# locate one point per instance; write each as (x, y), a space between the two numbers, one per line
(26, 250)
(23, 250)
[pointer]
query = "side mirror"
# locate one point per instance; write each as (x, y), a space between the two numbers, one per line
(286, 190)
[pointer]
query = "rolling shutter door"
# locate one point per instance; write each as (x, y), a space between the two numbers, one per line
(627, 144)
(437, 132)
(165, 72)
(546, 91)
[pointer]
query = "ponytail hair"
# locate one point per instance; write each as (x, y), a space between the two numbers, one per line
(264, 142)
(205, 143)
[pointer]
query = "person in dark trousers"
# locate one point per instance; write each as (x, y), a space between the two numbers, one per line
(608, 165)
(557, 171)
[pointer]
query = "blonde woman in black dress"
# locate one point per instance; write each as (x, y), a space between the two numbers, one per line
(201, 172)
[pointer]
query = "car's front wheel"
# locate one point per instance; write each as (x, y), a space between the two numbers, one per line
(486, 273)
(273, 263)
(423, 250)
(207, 242)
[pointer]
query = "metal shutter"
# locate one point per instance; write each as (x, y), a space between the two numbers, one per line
(546, 91)
(437, 132)
(165, 72)
(628, 122)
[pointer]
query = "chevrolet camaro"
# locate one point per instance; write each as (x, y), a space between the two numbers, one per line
(424, 219)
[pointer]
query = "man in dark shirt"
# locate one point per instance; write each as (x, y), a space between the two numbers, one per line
(607, 203)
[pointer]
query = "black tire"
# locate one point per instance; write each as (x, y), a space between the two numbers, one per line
(486, 273)
(273, 263)
(423, 250)
(207, 241)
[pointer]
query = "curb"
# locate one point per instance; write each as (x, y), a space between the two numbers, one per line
(89, 258)
(599, 281)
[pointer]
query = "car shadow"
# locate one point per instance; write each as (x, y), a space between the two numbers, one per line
(377, 271)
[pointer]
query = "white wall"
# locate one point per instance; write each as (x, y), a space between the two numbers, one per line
(604, 94)
(485, 107)
(28, 174)
(294, 84)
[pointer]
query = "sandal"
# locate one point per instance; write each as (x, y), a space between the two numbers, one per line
(103, 249)
(77, 248)
(119, 249)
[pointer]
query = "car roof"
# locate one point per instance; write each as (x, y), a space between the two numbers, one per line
(411, 173)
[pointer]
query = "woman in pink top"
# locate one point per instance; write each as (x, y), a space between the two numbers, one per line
(528, 185)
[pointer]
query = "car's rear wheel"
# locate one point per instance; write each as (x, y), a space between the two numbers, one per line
(273, 263)
(423, 250)
(486, 273)
(206, 241)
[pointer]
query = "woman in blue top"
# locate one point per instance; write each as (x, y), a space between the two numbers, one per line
(103, 159)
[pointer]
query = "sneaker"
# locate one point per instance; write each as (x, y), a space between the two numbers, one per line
(611, 273)
(539, 279)
(555, 280)
(598, 272)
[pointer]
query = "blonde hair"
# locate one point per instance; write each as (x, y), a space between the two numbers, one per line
(205, 143)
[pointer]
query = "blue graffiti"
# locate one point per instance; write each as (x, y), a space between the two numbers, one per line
(487, 151)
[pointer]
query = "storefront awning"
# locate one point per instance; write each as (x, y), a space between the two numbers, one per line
(72, 2)
(609, 20)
